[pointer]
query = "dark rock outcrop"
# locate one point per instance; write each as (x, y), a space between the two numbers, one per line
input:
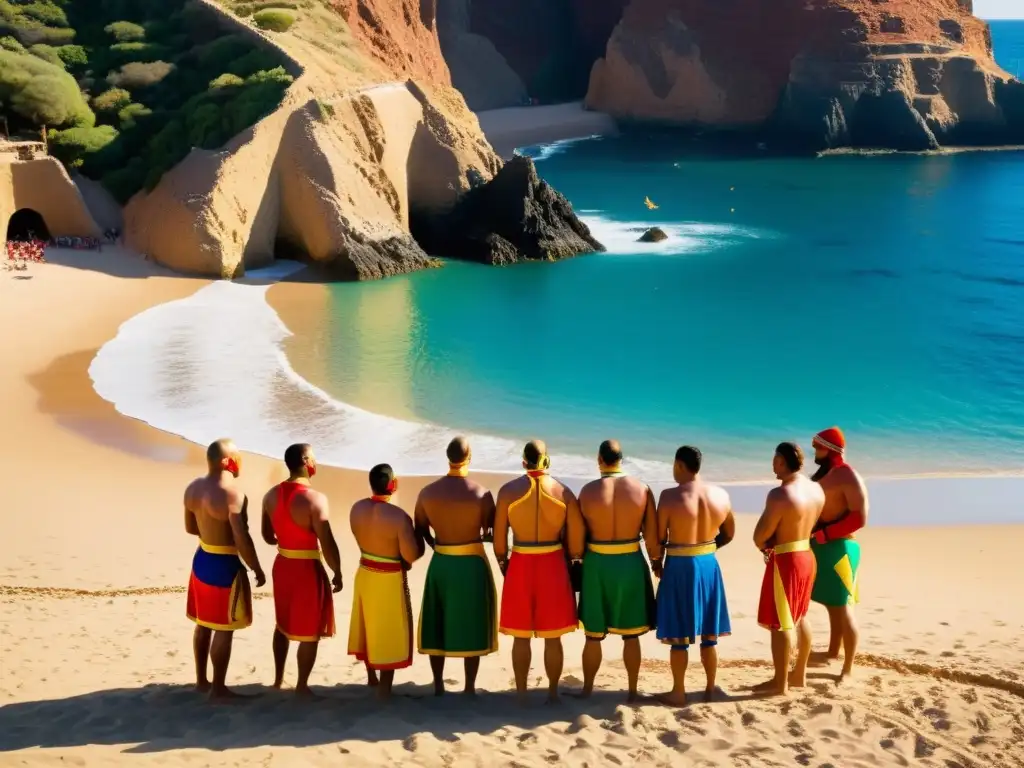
(514, 217)
(652, 235)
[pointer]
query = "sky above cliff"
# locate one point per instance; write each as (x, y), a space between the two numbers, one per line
(999, 9)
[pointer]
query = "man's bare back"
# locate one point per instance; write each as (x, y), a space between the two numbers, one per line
(384, 530)
(844, 491)
(794, 507)
(618, 509)
(692, 513)
(537, 521)
(459, 510)
(211, 501)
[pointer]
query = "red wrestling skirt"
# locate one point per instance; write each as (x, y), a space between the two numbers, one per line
(537, 599)
(787, 586)
(303, 601)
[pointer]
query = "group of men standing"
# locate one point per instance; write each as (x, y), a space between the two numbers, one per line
(562, 544)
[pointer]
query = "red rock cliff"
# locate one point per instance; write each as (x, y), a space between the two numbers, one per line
(904, 73)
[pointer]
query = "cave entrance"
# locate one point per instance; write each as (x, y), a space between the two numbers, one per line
(27, 224)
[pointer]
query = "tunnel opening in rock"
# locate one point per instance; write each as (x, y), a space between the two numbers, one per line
(27, 224)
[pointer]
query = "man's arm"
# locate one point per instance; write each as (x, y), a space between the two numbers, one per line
(410, 546)
(652, 537)
(319, 517)
(238, 516)
(767, 523)
(191, 524)
(662, 515)
(267, 523)
(856, 497)
(727, 531)
(422, 523)
(501, 531)
(575, 527)
(487, 516)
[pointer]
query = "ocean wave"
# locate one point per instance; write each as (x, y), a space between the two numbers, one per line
(542, 152)
(213, 365)
(620, 237)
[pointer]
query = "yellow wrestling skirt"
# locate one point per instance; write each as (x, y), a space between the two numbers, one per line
(380, 632)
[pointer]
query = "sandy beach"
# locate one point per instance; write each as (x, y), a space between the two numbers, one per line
(514, 127)
(96, 649)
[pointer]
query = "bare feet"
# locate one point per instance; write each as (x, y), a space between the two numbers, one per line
(673, 698)
(203, 686)
(821, 659)
(797, 680)
(439, 690)
(469, 692)
(305, 693)
(583, 693)
(709, 695)
(224, 695)
(553, 698)
(771, 688)
(846, 677)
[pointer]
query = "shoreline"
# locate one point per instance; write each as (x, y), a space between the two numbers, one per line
(512, 127)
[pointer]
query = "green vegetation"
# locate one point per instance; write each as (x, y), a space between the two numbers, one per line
(127, 88)
(274, 19)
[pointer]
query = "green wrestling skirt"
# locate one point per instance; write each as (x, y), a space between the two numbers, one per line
(617, 595)
(838, 564)
(459, 616)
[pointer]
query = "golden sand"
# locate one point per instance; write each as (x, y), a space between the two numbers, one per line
(95, 649)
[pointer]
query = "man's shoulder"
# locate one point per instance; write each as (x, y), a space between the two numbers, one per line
(846, 474)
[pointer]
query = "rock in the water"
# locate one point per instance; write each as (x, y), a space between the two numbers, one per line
(653, 235)
(516, 216)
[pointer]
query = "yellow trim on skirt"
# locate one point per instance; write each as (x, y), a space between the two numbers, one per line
(544, 549)
(459, 550)
(218, 549)
(613, 549)
(299, 554)
(802, 545)
(691, 550)
(379, 558)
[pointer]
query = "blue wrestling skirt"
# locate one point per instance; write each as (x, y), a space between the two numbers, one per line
(691, 596)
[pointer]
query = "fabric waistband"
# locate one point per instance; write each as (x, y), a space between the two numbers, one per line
(218, 549)
(299, 554)
(380, 564)
(803, 545)
(458, 550)
(613, 548)
(691, 550)
(536, 549)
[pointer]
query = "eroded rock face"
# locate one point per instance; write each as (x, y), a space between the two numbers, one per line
(908, 74)
(43, 186)
(516, 216)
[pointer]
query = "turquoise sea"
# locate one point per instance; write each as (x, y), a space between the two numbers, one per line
(881, 293)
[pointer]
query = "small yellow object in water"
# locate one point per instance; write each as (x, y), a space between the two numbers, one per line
(650, 205)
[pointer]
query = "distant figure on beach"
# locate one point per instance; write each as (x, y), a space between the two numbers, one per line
(219, 595)
(695, 520)
(380, 632)
(782, 534)
(834, 546)
(617, 596)
(295, 520)
(537, 599)
(459, 615)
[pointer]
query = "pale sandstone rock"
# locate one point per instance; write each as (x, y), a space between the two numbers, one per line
(44, 186)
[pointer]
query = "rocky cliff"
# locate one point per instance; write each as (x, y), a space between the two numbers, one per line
(906, 74)
(42, 185)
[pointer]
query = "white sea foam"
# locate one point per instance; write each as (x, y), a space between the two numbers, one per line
(620, 237)
(212, 365)
(541, 152)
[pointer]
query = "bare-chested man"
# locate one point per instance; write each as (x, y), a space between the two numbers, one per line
(219, 595)
(537, 598)
(834, 546)
(296, 521)
(695, 520)
(380, 633)
(460, 605)
(782, 535)
(617, 596)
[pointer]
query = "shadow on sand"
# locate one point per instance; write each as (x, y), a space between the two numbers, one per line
(160, 717)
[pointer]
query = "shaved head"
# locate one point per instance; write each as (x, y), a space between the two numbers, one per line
(458, 450)
(219, 450)
(532, 453)
(610, 453)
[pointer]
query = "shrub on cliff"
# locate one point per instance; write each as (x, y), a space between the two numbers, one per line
(112, 100)
(140, 74)
(48, 54)
(73, 56)
(131, 114)
(46, 13)
(11, 44)
(72, 145)
(40, 92)
(126, 31)
(227, 80)
(274, 19)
